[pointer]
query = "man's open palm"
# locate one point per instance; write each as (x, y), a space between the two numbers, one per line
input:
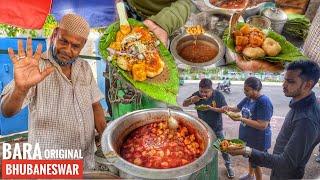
(26, 66)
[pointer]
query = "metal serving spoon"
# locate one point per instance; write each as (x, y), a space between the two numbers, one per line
(172, 122)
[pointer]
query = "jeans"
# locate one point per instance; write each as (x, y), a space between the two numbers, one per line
(226, 157)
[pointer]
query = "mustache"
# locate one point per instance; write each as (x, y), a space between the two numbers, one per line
(65, 54)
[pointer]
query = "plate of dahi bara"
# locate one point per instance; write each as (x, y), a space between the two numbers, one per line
(140, 58)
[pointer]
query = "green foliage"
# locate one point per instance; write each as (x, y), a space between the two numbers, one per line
(49, 26)
(297, 26)
(11, 31)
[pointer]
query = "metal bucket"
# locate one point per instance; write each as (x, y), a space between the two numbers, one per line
(277, 17)
(116, 132)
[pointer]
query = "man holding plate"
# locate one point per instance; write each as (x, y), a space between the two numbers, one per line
(208, 104)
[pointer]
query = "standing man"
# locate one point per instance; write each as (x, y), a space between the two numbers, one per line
(60, 91)
(300, 132)
(214, 100)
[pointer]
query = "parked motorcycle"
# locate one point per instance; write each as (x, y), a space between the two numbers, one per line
(224, 87)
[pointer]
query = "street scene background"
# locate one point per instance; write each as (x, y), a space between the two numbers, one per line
(231, 128)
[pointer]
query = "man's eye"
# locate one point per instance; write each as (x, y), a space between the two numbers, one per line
(76, 46)
(62, 41)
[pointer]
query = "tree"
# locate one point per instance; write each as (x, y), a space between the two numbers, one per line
(47, 29)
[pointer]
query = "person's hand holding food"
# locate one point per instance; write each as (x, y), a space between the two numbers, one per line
(252, 46)
(216, 109)
(244, 151)
(233, 147)
(195, 99)
(226, 108)
(161, 34)
(256, 65)
(236, 152)
(234, 116)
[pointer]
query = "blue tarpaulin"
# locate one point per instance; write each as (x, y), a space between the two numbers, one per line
(98, 13)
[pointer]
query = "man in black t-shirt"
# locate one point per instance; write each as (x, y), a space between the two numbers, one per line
(213, 100)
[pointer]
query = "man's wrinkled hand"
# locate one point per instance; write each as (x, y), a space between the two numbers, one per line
(26, 66)
(161, 34)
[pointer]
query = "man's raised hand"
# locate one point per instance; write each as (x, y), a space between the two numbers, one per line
(26, 66)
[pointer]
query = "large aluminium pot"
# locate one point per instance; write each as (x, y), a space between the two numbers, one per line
(116, 132)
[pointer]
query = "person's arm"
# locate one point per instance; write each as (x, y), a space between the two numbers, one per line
(8, 108)
(235, 109)
(191, 100)
(219, 110)
(99, 120)
(27, 74)
(299, 145)
(173, 17)
(264, 112)
(187, 102)
(98, 112)
(258, 124)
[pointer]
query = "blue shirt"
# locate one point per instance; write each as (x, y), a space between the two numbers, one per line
(260, 109)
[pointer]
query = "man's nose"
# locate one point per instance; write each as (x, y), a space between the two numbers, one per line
(69, 48)
(284, 84)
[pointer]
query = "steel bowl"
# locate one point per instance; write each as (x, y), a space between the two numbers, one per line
(116, 132)
(183, 40)
(259, 21)
(248, 12)
(215, 17)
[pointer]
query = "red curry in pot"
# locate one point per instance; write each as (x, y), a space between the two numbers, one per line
(156, 146)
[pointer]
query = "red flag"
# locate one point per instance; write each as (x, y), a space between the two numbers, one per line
(29, 14)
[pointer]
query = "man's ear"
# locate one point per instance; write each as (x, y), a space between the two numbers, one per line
(54, 34)
(309, 85)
